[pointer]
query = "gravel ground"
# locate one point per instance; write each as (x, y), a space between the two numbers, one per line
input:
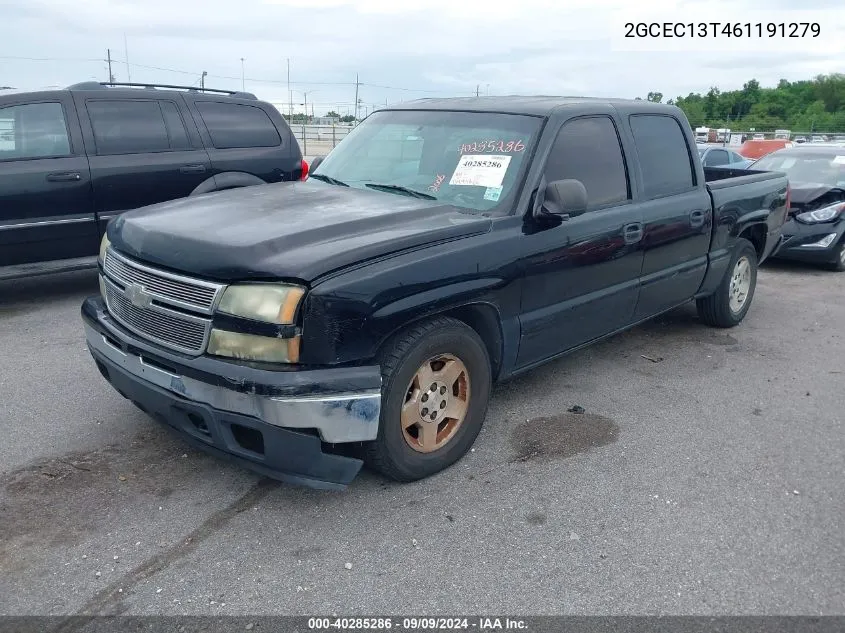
(708, 482)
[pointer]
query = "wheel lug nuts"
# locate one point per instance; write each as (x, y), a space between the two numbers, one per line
(424, 411)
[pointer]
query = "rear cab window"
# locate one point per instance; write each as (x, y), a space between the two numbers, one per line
(234, 126)
(471, 160)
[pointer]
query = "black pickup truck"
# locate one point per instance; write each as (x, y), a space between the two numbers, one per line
(72, 159)
(362, 315)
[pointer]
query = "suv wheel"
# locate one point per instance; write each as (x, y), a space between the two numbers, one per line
(436, 382)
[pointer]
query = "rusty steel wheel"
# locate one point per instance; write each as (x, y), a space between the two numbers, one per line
(436, 403)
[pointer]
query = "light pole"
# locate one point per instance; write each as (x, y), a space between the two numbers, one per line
(243, 81)
(202, 80)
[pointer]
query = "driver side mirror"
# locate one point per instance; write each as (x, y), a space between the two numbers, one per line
(316, 162)
(567, 198)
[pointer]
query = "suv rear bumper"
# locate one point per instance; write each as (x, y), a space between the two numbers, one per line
(273, 422)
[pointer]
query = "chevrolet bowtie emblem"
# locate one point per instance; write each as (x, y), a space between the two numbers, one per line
(139, 297)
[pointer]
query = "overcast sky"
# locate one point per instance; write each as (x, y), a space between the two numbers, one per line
(400, 49)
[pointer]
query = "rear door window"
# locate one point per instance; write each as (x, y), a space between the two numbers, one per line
(175, 126)
(716, 157)
(128, 127)
(33, 130)
(232, 125)
(665, 160)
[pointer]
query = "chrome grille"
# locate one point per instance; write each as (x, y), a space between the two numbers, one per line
(182, 332)
(184, 292)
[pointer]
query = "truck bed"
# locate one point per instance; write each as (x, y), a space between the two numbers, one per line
(721, 177)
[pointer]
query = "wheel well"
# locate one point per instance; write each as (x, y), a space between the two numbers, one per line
(484, 319)
(481, 317)
(756, 234)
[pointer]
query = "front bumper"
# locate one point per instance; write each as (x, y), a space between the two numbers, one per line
(798, 239)
(276, 423)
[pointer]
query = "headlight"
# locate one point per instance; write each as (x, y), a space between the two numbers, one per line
(104, 245)
(252, 347)
(825, 214)
(270, 303)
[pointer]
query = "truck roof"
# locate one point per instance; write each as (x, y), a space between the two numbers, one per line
(539, 105)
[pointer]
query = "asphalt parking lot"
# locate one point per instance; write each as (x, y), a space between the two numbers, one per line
(704, 477)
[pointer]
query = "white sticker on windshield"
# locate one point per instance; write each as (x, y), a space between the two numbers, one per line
(481, 170)
(493, 193)
(838, 160)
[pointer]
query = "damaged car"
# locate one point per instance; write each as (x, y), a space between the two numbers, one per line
(815, 232)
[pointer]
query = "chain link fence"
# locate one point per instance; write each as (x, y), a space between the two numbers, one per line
(318, 140)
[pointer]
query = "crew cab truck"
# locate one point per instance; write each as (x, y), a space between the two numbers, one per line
(72, 159)
(362, 315)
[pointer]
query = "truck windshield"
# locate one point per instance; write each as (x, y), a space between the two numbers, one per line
(821, 169)
(468, 159)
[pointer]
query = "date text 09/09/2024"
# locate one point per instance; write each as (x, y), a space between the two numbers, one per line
(417, 624)
(723, 29)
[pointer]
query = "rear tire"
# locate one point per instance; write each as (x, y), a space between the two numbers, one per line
(438, 368)
(728, 306)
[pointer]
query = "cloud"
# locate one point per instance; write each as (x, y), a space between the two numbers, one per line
(399, 49)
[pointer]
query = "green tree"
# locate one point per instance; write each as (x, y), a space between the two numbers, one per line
(656, 97)
(816, 104)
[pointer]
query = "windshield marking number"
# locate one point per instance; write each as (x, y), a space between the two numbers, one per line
(493, 146)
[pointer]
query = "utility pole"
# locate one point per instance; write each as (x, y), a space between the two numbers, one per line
(305, 104)
(108, 59)
(126, 54)
(243, 84)
(356, 97)
(202, 80)
(477, 89)
(290, 95)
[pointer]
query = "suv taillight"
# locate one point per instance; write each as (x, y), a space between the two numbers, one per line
(304, 167)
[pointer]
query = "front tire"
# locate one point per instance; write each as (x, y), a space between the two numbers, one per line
(728, 306)
(839, 264)
(436, 381)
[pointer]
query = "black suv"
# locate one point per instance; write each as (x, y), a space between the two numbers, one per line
(70, 160)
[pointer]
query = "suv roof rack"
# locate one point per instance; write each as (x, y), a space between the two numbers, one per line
(101, 85)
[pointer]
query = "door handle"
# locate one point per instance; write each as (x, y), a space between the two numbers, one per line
(66, 176)
(192, 169)
(696, 218)
(633, 232)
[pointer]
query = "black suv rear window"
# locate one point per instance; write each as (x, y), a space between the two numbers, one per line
(233, 125)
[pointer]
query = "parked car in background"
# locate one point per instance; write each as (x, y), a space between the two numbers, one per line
(759, 137)
(800, 139)
(818, 139)
(838, 138)
(815, 232)
(755, 149)
(71, 160)
(444, 244)
(721, 156)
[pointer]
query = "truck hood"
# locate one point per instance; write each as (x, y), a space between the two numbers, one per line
(291, 230)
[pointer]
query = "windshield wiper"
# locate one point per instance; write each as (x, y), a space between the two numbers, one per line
(400, 189)
(329, 179)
